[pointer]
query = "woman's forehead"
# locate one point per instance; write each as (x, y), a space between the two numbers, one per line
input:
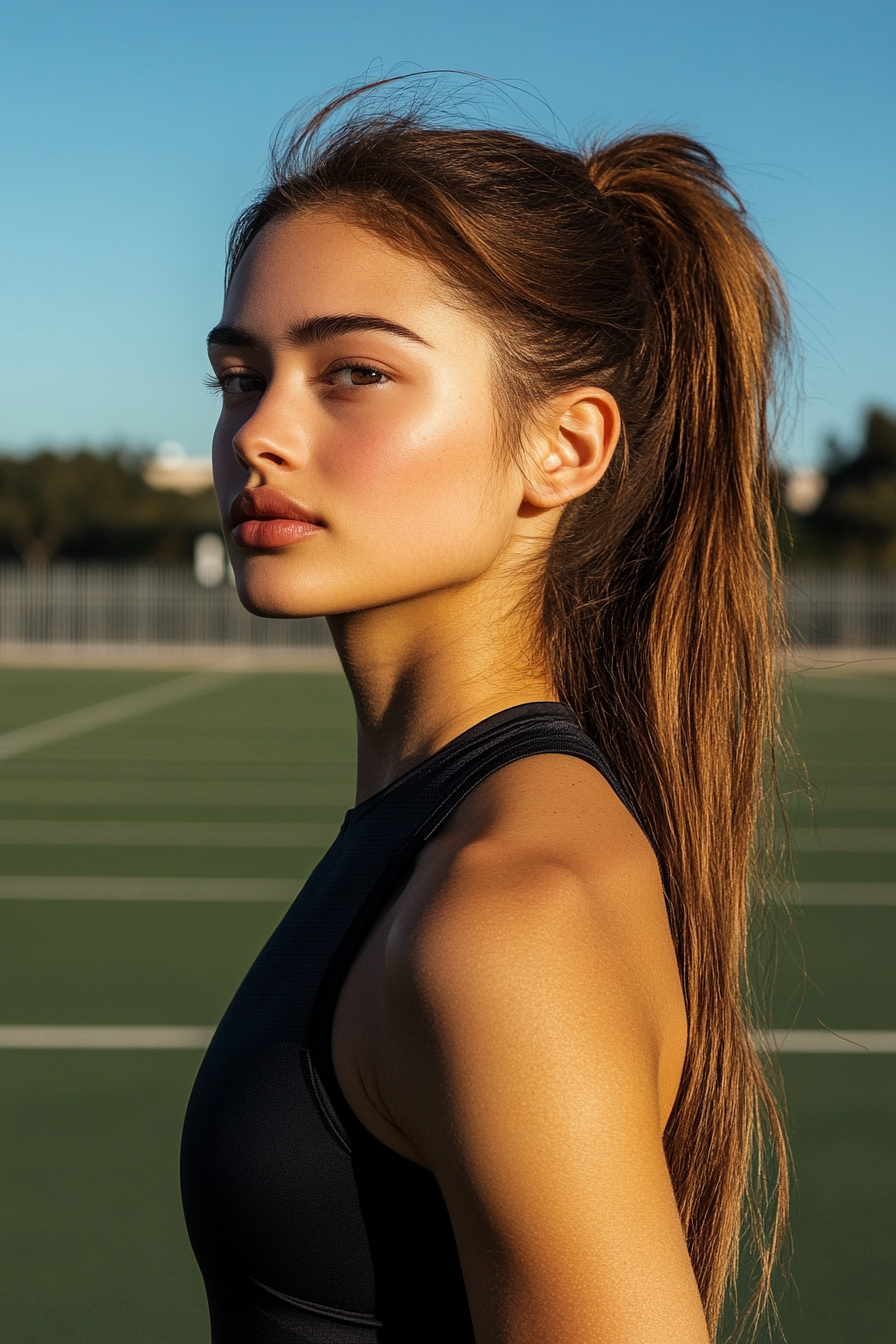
(321, 263)
(323, 251)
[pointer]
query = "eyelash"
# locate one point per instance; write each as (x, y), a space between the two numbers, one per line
(216, 382)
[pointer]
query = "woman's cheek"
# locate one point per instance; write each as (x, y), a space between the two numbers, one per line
(417, 459)
(382, 465)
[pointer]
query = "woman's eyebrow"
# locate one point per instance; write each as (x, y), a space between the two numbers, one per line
(232, 336)
(316, 330)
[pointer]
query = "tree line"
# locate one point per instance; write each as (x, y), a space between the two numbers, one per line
(96, 505)
(854, 523)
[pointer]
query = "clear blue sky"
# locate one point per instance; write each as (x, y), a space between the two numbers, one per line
(134, 131)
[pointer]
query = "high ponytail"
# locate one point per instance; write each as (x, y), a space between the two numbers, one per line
(631, 266)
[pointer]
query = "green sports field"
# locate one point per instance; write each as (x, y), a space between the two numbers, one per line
(198, 811)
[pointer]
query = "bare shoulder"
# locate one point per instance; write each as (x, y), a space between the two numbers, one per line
(544, 849)
(560, 810)
(542, 887)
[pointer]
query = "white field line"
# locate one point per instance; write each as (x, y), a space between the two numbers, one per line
(846, 839)
(105, 1038)
(176, 793)
(288, 835)
(197, 1038)
(148, 889)
(290, 793)
(122, 707)
(210, 834)
(277, 889)
(828, 1042)
(843, 893)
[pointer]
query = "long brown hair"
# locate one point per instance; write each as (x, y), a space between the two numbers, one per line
(630, 265)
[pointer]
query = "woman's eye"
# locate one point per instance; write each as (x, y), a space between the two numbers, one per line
(357, 375)
(241, 384)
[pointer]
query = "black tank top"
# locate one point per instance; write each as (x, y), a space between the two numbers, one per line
(307, 1229)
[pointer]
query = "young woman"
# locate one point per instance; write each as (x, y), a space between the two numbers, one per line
(499, 411)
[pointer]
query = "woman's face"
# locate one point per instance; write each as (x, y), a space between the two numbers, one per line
(355, 461)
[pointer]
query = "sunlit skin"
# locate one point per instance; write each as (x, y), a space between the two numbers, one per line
(514, 1022)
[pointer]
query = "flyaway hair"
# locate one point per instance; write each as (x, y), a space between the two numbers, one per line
(631, 265)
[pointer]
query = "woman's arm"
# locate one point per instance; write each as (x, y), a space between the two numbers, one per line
(526, 1044)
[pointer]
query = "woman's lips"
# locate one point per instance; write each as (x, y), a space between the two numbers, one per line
(266, 519)
(269, 533)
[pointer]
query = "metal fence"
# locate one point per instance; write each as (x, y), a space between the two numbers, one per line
(100, 604)
(841, 608)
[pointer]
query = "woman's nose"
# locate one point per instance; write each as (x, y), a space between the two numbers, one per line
(272, 436)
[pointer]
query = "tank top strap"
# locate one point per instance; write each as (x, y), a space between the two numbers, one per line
(436, 787)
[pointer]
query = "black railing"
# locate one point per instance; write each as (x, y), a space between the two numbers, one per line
(136, 604)
(107, 604)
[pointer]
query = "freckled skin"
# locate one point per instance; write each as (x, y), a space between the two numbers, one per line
(514, 1022)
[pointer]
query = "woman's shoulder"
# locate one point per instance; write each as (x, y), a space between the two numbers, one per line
(531, 942)
(527, 966)
(543, 887)
(545, 832)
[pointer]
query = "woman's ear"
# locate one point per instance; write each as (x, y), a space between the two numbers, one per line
(571, 447)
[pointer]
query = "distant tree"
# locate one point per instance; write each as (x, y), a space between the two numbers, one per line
(88, 505)
(855, 522)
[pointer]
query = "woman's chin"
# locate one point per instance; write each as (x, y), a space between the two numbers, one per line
(269, 587)
(271, 595)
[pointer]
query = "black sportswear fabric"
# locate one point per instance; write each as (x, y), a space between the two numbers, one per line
(307, 1229)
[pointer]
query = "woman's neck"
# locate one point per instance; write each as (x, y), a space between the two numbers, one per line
(423, 671)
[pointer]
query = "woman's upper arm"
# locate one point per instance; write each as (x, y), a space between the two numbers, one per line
(526, 1077)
